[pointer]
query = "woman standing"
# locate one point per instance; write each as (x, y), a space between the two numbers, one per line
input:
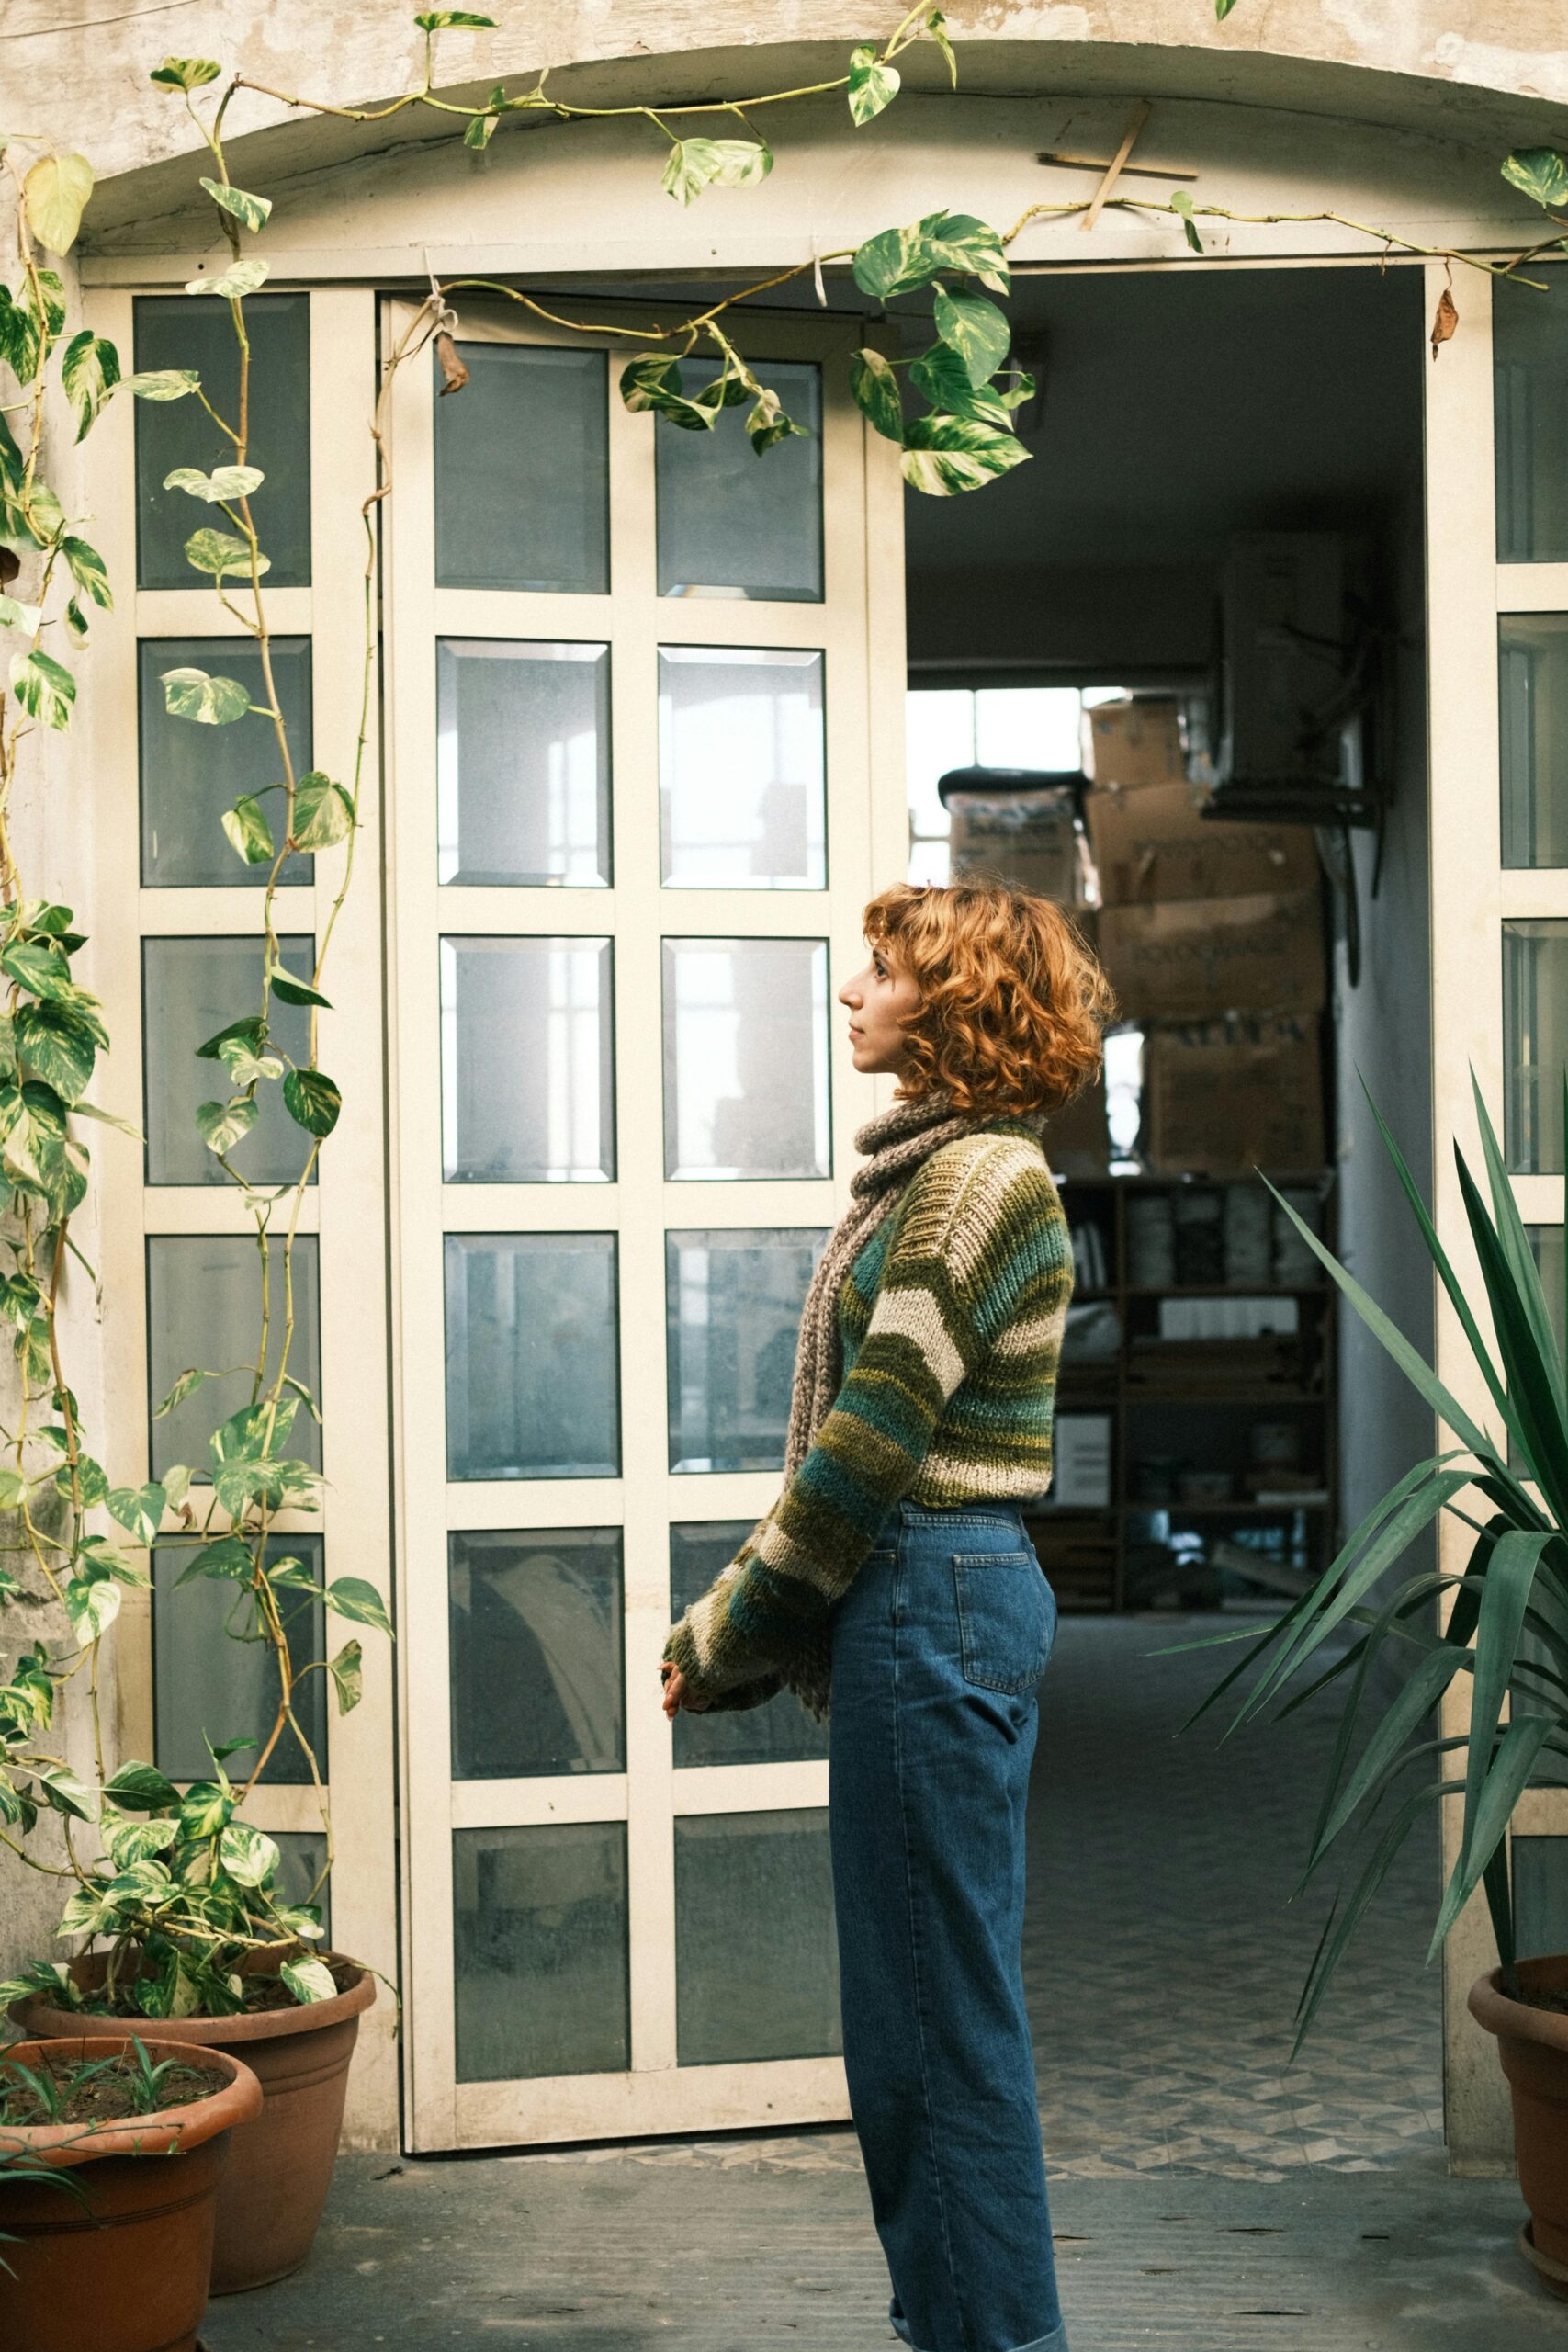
(894, 1571)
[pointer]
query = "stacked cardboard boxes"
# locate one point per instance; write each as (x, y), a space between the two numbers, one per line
(1212, 935)
(1031, 835)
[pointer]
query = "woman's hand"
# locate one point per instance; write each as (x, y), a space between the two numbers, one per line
(676, 1695)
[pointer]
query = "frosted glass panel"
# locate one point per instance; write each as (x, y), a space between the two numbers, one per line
(191, 989)
(522, 471)
(1535, 1043)
(536, 1670)
(733, 1304)
(1541, 1895)
(734, 522)
(523, 762)
(741, 768)
(174, 332)
(1529, 350)
(779, 1733)
(1532, 678)
(302, 1856)
(191, 773)
(532, 1362)
(746, 1058)
(207, 1681)
(755, 1953)
(539, 1947)
(204, 1300)
(527, 1079)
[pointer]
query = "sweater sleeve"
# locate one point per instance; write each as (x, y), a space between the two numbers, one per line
(975, 1253)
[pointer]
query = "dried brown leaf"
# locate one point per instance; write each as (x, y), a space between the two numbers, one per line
(1444, 321)
(454, 375)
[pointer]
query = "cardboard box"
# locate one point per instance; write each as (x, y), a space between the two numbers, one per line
(1032, 839)
(1134, 743)
(1193, 959)
(1156, 843)
(1076, 1139)
(1223, 1098)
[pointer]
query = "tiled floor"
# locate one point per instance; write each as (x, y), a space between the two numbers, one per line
(1201, 2202)
(1163, 1956)
(1163, 1959)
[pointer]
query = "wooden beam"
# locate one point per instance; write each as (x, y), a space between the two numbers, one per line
(1054, 157)
(1135, 123)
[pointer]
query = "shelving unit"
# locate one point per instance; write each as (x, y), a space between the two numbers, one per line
(1148, 1546)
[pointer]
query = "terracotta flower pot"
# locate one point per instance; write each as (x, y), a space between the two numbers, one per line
(1533, 2046)
(269, 2206)
(125, 2266)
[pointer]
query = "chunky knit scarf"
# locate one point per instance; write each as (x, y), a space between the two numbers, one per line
(895, 1144)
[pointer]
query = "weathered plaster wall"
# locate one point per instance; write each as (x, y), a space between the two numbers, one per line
(86, 61)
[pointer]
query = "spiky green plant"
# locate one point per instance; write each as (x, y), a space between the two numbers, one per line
(1506, 1623)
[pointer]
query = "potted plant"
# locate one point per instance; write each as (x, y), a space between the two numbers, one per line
(186, 1926)
(146, 2124)
(1505, 1628)
(173, 1913)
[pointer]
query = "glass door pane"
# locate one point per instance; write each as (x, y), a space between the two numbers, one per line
(526, 1069)
(742, 771)
(732, 523)
(523, 763)
(746, 1058)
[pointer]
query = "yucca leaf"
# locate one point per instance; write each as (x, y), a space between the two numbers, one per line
(1510, 1573)
(1415, 1369)
(1410, 1596)
(1331, 1951)
(1439, 1257)
(1514, 1762)
(1500, 1904)
(1533, 1415)
(1384, 1751)
(1398, 1532)
(1521, 1256)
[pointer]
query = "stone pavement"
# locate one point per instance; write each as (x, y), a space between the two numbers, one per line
(1209, 2195)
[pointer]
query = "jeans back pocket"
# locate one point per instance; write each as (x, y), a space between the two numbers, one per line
(1007, 1619)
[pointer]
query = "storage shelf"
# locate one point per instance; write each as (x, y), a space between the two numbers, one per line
(1100, 1543)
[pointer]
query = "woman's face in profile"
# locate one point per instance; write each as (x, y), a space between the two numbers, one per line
(881, 1001)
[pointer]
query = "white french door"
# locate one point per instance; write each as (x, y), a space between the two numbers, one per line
(640, 784)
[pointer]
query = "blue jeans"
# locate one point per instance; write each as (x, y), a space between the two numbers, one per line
(937, 1649)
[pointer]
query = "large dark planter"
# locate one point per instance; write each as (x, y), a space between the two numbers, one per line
(1533, 2046)
(125, 2266)
(269, 2206)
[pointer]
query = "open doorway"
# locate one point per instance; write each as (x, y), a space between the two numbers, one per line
(1224, 509)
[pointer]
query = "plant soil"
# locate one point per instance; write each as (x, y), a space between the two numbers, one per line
(1557, 2003)
(262, 1992)
(102, 2098)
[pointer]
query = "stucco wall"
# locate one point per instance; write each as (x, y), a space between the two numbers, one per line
(83, 63)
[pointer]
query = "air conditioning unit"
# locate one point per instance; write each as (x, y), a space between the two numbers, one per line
(1298, 674)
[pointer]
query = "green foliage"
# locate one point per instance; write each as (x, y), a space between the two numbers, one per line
(44, 687)
(313, 1100)
(249, 834)
(162, 383)
(251, 212)
(872, 83)
(323, 813)
(211, 702)
(89, 370)
(697, 164)
(1507, 1622)
(225, 483)
(875, 387)
(1539, 172)
(186, 73)
(54, 197)
(1181, 203)
(241, 278)
(442, 20)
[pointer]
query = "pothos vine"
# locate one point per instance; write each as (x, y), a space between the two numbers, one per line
(178, 1887)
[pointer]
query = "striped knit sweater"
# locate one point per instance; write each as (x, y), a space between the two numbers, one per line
(951, 1322)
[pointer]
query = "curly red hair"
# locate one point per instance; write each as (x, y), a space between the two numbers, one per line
(1012, 999)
